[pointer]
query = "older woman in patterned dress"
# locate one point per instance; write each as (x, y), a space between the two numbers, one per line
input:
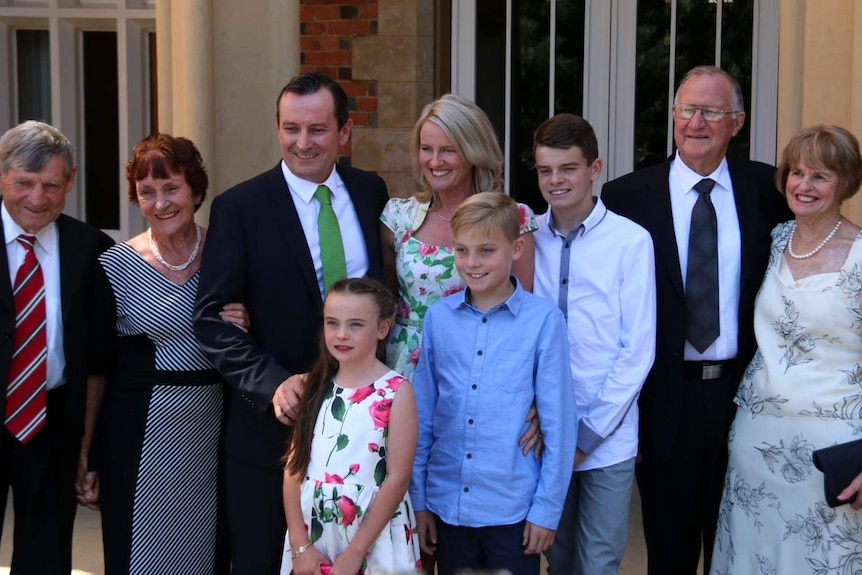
(158, 437)
(803, 388)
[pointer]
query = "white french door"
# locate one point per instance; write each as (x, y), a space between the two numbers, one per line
(615, 62)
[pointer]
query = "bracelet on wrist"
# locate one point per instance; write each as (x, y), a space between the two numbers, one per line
(302, 549)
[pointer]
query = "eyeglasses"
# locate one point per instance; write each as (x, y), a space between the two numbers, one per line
(686, 112)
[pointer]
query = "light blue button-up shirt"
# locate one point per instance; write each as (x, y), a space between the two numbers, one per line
(477, 377)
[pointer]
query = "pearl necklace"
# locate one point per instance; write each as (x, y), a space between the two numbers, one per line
(815, 250)
(442, 217)
(180, 267)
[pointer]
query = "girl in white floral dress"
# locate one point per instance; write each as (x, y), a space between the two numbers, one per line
(349, 462)
(803, 388)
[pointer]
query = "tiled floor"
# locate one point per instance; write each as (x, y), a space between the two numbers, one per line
(87, 559)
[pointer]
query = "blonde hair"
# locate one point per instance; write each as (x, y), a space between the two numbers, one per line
(824, 147)
(488, 213)
(472, 136)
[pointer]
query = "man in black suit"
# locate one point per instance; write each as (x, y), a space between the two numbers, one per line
(263, 250)
(45, 400)
(703, 345)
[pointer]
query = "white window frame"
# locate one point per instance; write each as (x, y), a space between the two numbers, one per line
(131, 20)
(609, 76)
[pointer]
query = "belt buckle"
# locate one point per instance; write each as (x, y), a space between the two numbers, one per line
(711, 371)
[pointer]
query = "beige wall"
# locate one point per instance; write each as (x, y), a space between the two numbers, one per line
(401, 58)
(221, 64)
(820, 71)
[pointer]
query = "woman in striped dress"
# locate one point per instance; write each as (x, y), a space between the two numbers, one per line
(158, 436)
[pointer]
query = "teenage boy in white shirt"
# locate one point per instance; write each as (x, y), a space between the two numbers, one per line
(599, 268)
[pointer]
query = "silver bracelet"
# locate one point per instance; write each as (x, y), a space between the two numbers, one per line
(302, 549)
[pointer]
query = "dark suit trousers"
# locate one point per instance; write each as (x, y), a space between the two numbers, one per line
(680, 496)
(43, 496)
(255, 515)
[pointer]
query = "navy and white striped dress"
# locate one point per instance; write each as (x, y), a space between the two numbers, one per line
(159, 430)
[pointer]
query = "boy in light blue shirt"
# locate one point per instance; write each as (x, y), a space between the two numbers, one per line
(488, 354)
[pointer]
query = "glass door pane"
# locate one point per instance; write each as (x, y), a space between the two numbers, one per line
(539, 78)
(101, 129)
(33, 75)
(674, 36)
(651, 79)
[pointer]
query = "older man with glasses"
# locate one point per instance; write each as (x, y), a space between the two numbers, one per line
(710, 218)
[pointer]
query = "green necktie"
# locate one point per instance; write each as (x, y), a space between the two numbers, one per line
(331, 247)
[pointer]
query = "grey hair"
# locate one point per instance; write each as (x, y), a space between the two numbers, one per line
(29, 146)
(738, 100)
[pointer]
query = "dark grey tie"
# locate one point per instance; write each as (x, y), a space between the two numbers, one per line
(701, 283)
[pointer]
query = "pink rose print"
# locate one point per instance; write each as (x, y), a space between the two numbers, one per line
(406, 236)
(358, 395)
(408, 533)
(454, 289)
(354, 469)
(403, 309)
(373, 447)
(523, 223)
(427, 250)
(348, 510)
(394, 383)
(414, 357)
(379, 411)
(333, 478)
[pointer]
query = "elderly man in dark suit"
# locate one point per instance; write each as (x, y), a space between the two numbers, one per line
(51, 344)
(710, 219)
(275, 242)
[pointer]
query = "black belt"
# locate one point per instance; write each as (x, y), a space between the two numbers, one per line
(707, 370)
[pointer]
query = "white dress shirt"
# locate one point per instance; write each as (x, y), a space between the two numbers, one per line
(602, 275)
(682, 198)
(47, 250)
(307, 207)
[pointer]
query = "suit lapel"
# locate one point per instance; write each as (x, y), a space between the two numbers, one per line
(292, 233)
(744, 198)
(368, 219)
(664, 237)
(71, 266)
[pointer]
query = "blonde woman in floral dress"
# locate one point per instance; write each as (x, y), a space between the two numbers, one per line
(803, 389)
(455, 154)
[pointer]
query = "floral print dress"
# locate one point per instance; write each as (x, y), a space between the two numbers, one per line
(802, 391)
(348, 465)
(426, 274)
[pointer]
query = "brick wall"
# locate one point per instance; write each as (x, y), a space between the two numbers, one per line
(327, 31)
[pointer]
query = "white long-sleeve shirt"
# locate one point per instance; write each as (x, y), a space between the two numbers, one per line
(602, 276)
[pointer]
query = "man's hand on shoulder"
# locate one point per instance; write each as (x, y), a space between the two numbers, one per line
(285, 400)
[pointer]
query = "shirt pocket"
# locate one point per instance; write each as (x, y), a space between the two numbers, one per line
(513, 370)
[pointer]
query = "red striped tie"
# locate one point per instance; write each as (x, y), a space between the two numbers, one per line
(26, 395)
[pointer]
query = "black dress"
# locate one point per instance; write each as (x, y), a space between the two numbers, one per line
(159, 433)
